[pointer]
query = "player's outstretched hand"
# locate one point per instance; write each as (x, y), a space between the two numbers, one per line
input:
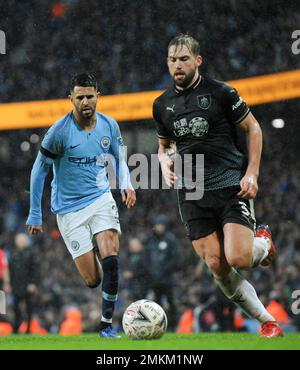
(34, 230)
(129, 197)
(249, 187)
(167, 170)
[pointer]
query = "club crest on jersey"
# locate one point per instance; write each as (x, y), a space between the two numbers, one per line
(198, 126)
(105, 142)
(204, 101)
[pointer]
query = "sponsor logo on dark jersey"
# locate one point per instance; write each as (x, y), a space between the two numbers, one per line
(181, 127)
(198, 126)
(237, 104)
(171, 108)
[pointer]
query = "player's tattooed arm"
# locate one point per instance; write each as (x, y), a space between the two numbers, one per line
(166, 162)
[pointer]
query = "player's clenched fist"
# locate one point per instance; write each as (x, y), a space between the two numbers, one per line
(129, 197)
(167, 170)
(34, 230)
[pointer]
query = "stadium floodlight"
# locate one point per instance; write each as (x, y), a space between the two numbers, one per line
(278, 123)
(34, 138)
(25, 146)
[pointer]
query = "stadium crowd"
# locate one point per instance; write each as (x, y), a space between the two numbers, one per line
(124, 44)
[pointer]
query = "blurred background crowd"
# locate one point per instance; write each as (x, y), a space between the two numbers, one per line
(124, 44)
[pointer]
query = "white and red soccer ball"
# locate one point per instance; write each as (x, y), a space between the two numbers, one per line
(144, 319)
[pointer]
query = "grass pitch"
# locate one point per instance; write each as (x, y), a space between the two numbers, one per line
(170, 341)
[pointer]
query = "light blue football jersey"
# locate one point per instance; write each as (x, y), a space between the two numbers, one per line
(79, 164)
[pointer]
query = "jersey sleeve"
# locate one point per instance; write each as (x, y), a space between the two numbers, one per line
(52, 143)
(118, 151)
(117, 144)
(161, 131)
(235, 107)
(39, 173)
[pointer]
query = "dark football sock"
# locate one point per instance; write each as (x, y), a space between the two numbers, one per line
(110, 266)
(104, 325)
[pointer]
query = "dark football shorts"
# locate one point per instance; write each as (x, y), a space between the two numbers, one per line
(216, 208)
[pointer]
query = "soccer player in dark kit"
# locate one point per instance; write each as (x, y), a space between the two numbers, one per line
(202, 116)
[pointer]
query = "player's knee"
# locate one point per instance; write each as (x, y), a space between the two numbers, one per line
(215, 265)
(92, 282)
(240, 261)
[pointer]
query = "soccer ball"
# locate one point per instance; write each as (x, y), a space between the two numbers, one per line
(144, 319)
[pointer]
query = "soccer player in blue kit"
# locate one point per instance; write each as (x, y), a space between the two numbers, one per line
(77, 147)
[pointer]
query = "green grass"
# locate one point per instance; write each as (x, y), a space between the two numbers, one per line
(168, 341)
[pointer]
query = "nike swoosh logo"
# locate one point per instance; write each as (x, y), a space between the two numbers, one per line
(74, 146)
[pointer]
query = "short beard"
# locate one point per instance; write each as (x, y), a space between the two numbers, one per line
(80, 113)
(186, 81)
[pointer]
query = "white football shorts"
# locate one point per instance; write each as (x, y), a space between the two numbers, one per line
(77, 228)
